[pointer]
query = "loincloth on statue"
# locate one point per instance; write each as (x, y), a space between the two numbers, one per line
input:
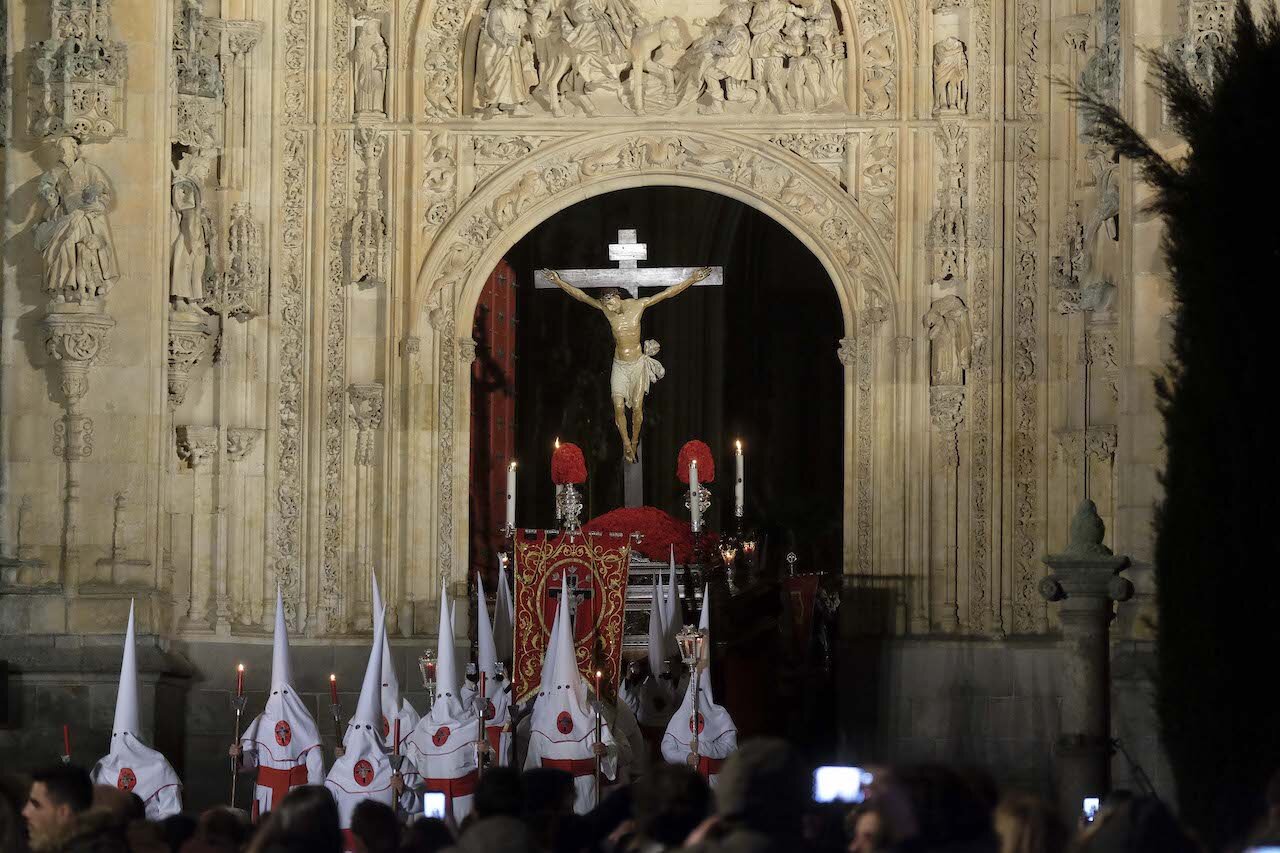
(630, 380)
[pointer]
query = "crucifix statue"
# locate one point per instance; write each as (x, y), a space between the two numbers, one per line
(634, 365)
(577, 596)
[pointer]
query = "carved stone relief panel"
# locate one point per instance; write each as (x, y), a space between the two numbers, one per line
(77, 76)
(368, 246)
(198, 106)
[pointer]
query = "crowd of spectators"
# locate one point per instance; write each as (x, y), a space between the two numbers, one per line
(762, 804)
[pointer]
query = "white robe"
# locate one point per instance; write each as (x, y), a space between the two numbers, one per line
(283, 737)
(716, 742)
(364, 773)
(443, 749)
(562, 733)
(133, 766)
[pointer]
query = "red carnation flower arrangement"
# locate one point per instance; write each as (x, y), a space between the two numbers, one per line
(706, 463)
(659, 531)
(568, 466)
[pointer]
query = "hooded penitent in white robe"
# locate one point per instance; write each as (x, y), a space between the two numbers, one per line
(283, 742)
(394, 707)
(363, 772)
(716, 734)
(131, 765)
(672, 616)
(497, 693)
(562, 727)
(443, 746)
(504, 616)
(651, 700)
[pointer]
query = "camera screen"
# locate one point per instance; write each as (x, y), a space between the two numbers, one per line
(433, 804)
(833, 784)
(1090, 809)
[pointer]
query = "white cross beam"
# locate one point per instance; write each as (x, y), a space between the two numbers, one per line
(628, 276)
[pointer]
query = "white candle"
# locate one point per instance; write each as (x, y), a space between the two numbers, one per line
(559, 488)
(511, 496)
(737, 483)
(695, 509)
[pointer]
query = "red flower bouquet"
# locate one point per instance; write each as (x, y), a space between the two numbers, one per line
(568, 466)
(660, 531)
(706, 463)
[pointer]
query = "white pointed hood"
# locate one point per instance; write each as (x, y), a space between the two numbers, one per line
(504, 616)
(657, 630)
(131, 765)
(442, 743)
(448, 704)
(497, 694)
(285, 729)
(363, 770)
(393, 706)
(672, 618)
(718, 735)
(562, 712)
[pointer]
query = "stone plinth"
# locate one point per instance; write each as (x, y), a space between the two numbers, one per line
(1085, 582)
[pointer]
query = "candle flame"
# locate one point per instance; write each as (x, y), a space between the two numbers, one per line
(240, 667)
(557, 442)
(738, 445)
(333, 677)
(513, 465)
(598, 673)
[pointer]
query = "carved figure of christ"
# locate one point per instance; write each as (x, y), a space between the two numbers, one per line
(634, 367)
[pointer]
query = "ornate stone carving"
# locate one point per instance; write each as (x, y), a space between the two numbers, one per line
(241, 290)
(192, 274)
(950, 77)
(878, 183)
(439, 180)
(75, 338)
(241, 441)
(1099, 349)
(1098, 442)
(949, 225)
(196, 444)
(73, 438)
(847, 352)
(1027, 61)
(879, 58)
(369, 69)
(505, 73)
(950, 340)
(74, 237)
(297, 106)
(333, 382)
(190, 343)
(1205, 31)
(6, 84)
(198, 106)
(368, 229)
(365, 408)
(77, 76)
(946, 413)
(980, 58)
(289, 306)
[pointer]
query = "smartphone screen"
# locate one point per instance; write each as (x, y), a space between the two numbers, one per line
(839, 784)
(1090, 808)
(433, 804)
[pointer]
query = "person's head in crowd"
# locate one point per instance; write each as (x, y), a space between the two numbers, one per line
(219, 830)
(1138, 825)
(13, 796)
(498, 793)
(866, 829)
(668, 802)
(57, 795)
(1028, 824)
(938, 806)
(305, 821)
(763, 788)
(375, 828)
(125, 805)
(824, 828)
(428, 835)
(548, 795)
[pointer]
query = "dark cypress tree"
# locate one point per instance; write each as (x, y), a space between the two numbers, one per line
(1217, 526)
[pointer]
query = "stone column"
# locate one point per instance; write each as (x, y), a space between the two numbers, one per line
(1085, 581)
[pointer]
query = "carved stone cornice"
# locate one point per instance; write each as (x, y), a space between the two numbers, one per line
(242, 36)
(75, 337)
(196, 444)
(190, 342)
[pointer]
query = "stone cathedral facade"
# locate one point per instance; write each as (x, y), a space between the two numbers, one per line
(244, 241)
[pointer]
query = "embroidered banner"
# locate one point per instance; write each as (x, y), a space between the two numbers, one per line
(800, 591)
(595, 568)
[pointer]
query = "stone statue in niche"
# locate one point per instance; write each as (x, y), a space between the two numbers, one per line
(505, 72)
(190, 264)
(950, 340)
(586, 50)
(74, 237)
(1105, 212)
(950, 76)
(369, 67)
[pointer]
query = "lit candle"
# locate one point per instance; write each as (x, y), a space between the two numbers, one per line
(395, 747)
(511, 495)
(239, 680)
(66, 739)
(559, 489)
(695, 508)
(431, 672)
(737, 483)
(598, 674)
(333, 688)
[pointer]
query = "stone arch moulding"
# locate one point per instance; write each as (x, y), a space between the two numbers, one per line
(512, 202)
(879, 37)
